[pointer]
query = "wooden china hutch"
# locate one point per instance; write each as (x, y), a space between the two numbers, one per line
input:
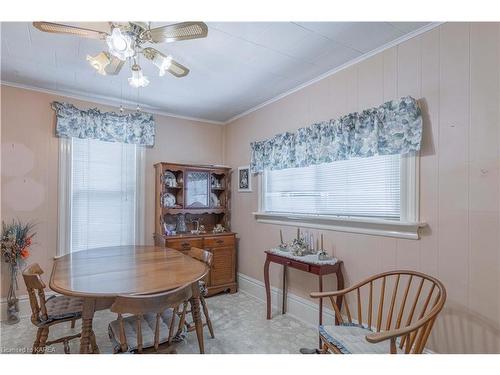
(192, 209)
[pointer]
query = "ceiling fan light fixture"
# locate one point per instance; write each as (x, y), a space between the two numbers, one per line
(99, 62)
(138, 79)
(163, 63)
(120, 44)
(127, 41)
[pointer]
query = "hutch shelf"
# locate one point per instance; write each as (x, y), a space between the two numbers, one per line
(192, 206)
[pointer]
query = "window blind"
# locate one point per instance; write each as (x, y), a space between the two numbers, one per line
(103, 194)
(363, 187)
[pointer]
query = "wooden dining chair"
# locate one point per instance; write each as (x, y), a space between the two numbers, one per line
(392, 312)
(152, 325)
(46, 312)
(205, 257)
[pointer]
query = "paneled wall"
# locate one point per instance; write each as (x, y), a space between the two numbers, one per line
(454, 72)
(28, 123)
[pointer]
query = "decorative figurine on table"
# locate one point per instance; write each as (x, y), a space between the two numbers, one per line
(299, 245)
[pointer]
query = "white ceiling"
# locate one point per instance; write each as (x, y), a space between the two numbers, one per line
(240, 65)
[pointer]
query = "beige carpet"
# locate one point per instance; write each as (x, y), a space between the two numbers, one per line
(239, 321)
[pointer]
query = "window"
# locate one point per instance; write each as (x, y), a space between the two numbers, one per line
(101, 194)
(365, 187)
(376, 195)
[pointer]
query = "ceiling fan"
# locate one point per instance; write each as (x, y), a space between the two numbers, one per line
(126, 41)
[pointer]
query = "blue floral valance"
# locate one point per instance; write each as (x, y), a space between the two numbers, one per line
(394, 127)
(136, 128)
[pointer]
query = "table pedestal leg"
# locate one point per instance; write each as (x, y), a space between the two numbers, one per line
(87, 317)
(93, 344)
(268, 287)
(195, 311)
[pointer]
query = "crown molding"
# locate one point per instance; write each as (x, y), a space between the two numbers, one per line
(106, 100)
(358, 59)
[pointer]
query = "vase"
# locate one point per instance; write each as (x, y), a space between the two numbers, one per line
(12, 301)
(181, 223)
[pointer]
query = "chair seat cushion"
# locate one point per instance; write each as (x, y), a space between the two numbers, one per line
(148, 326)
(64, 307)
(351, 339)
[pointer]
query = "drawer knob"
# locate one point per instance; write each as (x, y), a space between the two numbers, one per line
(220, 241)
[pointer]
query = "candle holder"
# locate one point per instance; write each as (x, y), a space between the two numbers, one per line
(323, 255)
(283, 247)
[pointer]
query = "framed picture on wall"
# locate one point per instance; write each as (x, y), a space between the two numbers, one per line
(244, 179)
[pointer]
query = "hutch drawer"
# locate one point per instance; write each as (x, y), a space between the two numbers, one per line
(184, 243)
(218, 241)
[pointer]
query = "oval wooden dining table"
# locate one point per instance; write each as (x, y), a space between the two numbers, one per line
(100, 275)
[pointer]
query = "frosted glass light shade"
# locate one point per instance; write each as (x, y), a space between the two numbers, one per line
(120, 44)
(138, 79)
(99, 62)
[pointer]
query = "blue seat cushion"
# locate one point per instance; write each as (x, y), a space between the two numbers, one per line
(351, 339)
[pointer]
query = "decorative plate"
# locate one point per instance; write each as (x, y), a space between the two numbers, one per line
(169, 179)
(168, 200)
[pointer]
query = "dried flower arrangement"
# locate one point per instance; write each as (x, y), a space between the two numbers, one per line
(17, 237)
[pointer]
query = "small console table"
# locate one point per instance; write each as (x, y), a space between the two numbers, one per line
(308, 263)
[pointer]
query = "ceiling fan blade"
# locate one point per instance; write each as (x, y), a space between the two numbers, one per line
(173, 67)
(178, 31)
(58, 28)
(114, 67)
(178, 69)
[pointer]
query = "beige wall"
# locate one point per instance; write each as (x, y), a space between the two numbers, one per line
(454, 71)
(29, 122)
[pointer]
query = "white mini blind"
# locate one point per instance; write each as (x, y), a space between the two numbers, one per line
(103, 194)
(362, 187)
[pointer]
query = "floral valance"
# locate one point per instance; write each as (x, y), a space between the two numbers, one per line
(394, 127)
(136, 128)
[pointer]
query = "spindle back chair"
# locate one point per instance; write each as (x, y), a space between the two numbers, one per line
(206, 257)
(46, 312)
(151, 308)
(396, 306)
(36, 292)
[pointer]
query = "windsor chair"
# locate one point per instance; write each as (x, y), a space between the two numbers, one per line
(393, 312)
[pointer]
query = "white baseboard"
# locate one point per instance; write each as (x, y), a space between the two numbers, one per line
(24, 306)
(298, 307)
